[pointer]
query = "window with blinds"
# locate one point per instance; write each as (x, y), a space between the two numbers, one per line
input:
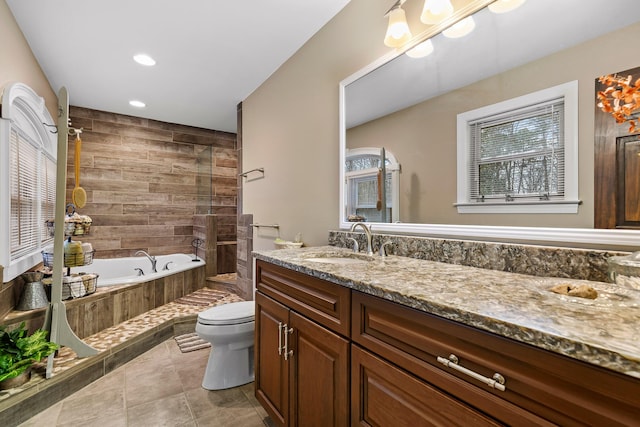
(32, 189)
(361, 185)
(28, 151)
(520, 155)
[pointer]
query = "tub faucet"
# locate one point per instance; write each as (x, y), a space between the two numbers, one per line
(152, 259)
(367, 232)
(166, 266)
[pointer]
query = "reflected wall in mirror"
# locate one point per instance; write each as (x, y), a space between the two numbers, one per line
(410, 105)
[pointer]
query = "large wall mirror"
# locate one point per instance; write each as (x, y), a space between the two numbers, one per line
(409, 107)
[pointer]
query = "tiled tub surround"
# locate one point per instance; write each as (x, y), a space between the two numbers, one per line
(112, 305)
(604, 331)
(583, 264)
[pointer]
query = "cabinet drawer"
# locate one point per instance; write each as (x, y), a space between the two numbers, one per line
(326, 303)
(541, 386)
(383, 395)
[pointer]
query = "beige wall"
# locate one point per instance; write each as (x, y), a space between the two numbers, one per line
(17, 63)
(290, 127)
(291, 124)
(423, 137)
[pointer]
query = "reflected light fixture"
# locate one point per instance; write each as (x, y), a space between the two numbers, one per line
(423, 49)
(398, 32)
(137, 104)
(503, 6)
(436, 11)
(460, 28)
(144, 59)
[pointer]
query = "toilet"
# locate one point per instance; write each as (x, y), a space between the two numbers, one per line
(229, 328)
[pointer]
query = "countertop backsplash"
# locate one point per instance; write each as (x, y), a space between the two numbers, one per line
(546, 261)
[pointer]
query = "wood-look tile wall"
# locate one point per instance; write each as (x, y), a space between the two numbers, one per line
(145, 180)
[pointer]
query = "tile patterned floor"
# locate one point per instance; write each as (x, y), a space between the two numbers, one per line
(161, 387)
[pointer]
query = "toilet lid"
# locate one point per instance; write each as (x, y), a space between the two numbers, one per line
(228, 314)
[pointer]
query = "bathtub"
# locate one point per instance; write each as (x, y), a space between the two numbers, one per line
(122, 271)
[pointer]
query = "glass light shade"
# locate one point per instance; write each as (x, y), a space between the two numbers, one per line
(460, 28)
(423, 49)
(436, 11)
(137, 104)
(398, 30)
(503, 6)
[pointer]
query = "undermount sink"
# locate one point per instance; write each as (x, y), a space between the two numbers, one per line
(338, 260)
(344, 259)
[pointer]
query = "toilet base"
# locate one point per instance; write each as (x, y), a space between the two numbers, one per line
(228, 368)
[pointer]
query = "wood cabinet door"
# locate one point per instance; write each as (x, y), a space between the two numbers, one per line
(319, 375)
(383, 395)
(271, 370)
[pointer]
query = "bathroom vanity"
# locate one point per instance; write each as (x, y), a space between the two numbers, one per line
(346, 339)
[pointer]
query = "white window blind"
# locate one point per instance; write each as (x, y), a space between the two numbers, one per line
(518, 154)
(32, 189)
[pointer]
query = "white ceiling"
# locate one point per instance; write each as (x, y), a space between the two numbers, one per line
(500, 42)
(211, 54)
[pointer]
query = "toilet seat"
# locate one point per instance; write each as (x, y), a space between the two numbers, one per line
(228, 314)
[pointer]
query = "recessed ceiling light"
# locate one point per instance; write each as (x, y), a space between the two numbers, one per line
(143, 59)
(138, 104)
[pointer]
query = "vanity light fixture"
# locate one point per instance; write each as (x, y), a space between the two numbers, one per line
(137, 104)
(436, 11)
(460, 28)
(420, 51)
(398, 30)
(144, 59)
(503, 6)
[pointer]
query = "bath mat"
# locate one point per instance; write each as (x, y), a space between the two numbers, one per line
(202, 297)
(191, 342)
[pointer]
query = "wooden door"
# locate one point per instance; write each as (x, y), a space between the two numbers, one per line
(616, 200)
(628, 182)
(319, 376)
(271, 370)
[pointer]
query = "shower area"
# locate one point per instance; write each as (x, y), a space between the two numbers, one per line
(216, 214)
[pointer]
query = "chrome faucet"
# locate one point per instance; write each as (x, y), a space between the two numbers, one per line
(367, 232)
(152, 259)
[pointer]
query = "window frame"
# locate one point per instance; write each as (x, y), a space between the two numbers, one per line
(567, 204)
(24, 114)
(392, 169)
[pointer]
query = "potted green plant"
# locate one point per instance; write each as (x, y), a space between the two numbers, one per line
(19, 351)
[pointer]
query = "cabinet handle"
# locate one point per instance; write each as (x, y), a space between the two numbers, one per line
(287, 352)
(496, 382)
(280, 338)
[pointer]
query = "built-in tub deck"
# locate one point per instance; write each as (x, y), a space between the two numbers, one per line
(116, 345)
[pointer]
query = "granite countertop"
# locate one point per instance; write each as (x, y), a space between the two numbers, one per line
(604, 331)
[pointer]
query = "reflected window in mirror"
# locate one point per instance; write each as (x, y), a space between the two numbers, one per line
(366, 199)
(520, 155)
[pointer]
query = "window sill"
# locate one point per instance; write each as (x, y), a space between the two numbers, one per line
(533, 207)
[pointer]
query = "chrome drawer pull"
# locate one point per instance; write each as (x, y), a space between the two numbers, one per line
(287, 352)
(496, 382)
(280, 338)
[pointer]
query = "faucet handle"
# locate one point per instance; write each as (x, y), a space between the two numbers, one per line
(383, 250)
(356, 247)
